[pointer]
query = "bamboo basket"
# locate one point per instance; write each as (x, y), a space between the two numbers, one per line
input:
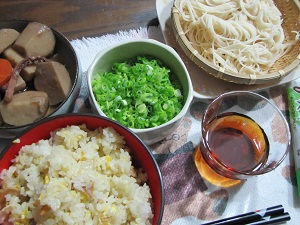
(290, 10)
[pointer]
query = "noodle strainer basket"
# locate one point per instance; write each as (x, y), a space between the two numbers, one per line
(290, 11)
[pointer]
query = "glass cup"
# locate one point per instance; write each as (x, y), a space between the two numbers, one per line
(243, 135)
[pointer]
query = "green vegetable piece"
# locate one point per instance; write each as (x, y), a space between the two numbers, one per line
(139, 93)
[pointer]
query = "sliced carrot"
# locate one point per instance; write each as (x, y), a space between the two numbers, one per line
(5, 71)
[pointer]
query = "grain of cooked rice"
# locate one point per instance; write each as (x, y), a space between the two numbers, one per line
(78, 176)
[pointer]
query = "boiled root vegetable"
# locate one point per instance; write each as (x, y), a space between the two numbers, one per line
(20, 85)
(16, 71)
(54, 79)
(35, 40)
(7, 38)
(14, 57)
(24, 108)
(5, 71)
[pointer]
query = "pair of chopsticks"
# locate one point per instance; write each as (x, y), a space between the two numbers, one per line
(269, 215)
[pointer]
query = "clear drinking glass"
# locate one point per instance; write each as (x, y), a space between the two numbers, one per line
(243, 134)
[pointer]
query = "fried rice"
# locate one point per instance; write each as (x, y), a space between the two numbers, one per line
(78, 176)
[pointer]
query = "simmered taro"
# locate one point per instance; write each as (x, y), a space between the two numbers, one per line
(24, 108)
(35, 40)
(53, 78)
(14, 57)
(37, 84)
(7, 38)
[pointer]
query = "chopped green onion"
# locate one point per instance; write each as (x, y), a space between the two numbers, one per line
(139, 93)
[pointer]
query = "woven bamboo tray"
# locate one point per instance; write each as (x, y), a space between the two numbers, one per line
(290, 10)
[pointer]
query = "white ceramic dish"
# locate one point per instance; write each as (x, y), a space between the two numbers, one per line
(205, 85)
(130, 49)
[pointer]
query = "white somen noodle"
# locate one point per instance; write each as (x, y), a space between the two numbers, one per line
(240, 36)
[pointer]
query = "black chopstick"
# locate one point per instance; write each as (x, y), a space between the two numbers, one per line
(272, 219)
(256, 216)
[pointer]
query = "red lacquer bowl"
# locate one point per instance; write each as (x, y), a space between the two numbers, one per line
(141, 155)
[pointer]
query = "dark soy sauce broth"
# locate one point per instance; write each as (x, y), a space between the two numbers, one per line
(238, 142)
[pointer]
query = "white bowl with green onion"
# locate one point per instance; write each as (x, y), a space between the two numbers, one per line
(142, 84)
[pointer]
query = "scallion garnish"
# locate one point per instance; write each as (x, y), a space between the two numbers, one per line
(139, 93)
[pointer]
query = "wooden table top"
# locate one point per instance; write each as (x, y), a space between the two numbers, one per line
(82, 18)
